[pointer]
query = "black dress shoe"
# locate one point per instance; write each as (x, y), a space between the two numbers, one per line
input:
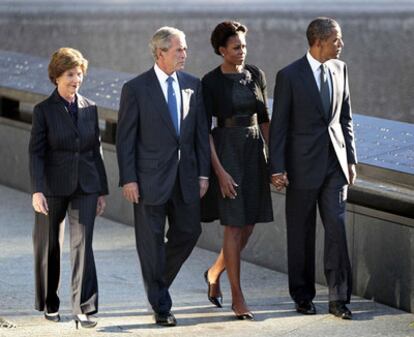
(339, 309)
(55, 317)
(305, 307)
(217, 301)
(167, 319)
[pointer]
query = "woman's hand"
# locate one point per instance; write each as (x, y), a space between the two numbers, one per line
(227, 185)
(100, 206)
(39, 203)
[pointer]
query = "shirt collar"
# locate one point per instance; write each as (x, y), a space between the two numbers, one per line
(66, 103)
(314, 63)
(162, 76)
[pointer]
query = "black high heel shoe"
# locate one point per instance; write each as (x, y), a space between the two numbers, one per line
(86, 324)
(244, 316)
(217, 301)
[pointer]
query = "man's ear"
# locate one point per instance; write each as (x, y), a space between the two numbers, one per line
(318, 43)
(159, 53)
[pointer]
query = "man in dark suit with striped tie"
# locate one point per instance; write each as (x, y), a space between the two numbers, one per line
(312, 152)
(164, 161)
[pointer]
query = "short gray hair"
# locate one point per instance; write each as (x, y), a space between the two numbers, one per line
(162, 39)
(320, 28)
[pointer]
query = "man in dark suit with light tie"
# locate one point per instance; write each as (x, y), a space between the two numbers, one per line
(312, 152)
(164, 161)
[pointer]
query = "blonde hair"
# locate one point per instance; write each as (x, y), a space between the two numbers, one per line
(162, 39)
(64, 59)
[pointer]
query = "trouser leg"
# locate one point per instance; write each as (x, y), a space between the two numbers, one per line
(332, 208)
(48, 233)
(301, 223)
(183, 232)
(149, 235)
(81, 215)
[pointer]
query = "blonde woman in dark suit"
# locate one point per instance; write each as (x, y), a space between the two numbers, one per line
(68, 177)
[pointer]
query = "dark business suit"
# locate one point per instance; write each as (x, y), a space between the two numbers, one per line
(67, 167)
(167, 168)
(314, 148)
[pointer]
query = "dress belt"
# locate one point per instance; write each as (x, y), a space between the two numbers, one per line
(238, 121)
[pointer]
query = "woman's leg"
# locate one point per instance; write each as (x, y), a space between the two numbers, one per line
(232, 246)
(214, 273)
(218, 267)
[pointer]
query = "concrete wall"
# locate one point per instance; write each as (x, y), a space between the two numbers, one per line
(378, 38)
(381, 245)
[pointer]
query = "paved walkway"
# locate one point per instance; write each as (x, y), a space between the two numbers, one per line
(123, 310)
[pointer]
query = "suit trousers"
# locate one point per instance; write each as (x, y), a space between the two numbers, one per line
(48, 236)
(301, 226)
(162, 259)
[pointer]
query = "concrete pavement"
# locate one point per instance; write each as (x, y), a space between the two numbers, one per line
(123, 309)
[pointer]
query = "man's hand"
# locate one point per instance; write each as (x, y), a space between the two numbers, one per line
(39, 203)
(352, 174)
(131, 192)
(100, 206)
(280, 181)
(203, 186)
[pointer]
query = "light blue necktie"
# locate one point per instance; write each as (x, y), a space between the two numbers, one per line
(172, 103)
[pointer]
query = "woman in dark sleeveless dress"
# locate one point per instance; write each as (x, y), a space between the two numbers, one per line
(239, 194)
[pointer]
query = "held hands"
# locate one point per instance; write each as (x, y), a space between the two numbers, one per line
(227, 185)
(130, 192)
(203, 186)
(352, 174)
(280, 181)
(39, 203)
(100, 206)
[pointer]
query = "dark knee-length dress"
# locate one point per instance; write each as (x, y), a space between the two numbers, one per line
(240, 150)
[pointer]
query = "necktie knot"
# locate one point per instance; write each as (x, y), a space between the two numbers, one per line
(323, 72)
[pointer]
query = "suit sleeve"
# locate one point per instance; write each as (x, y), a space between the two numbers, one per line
(264, 113)
(37, 150)
(126, 136)
(279, 124)
(346, 122)
(208, 102)
(202, 136)
(98, 154)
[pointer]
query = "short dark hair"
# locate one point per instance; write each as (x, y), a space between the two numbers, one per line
(320, 28)
(223, 32)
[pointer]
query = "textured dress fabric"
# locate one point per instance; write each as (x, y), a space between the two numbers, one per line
(241, 153)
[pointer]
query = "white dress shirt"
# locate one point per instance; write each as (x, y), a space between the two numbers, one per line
(162, 79)
(316, 70)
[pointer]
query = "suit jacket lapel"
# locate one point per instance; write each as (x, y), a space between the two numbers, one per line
(310, 83)
(335, 88)
(186, 94)
(157, 97)
(62, 110)
(83, 107)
